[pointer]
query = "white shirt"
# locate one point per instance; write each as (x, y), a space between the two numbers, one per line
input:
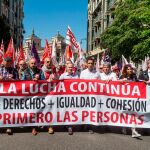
(149, 73)
(68, 76)
(110, 76)
(87, 74)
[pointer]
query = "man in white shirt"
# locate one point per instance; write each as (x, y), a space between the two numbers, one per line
(69, 74)
(90, 73)
(107, 74)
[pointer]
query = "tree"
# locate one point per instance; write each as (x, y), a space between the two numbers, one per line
(4, 32)
(130, 32)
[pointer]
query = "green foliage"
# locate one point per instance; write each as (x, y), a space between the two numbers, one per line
(130, 32)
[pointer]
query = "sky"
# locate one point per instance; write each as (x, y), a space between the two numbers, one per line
(47, 17)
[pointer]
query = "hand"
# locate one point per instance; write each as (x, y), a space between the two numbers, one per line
(10, 77)
(1, 77)
(51, 78)
(35, 79)
(148, 82)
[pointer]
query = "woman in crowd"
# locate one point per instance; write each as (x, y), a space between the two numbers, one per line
(128, 75)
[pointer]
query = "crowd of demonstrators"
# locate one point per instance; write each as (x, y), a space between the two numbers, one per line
(87, 71)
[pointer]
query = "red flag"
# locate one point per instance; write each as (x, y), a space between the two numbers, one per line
(1, 52)
(21, 54)
(72, 45)
(71, 40)
(69, 54)
(10, 50)
(47, 51)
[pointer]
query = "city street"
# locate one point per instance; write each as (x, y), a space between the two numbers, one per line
(78, 141)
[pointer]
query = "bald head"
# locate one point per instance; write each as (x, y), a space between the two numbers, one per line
(32, 63)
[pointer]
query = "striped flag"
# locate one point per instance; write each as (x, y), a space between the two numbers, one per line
(72, 45)
(20, 54)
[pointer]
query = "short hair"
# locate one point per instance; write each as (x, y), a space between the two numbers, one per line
(90, 58)
(107, 64)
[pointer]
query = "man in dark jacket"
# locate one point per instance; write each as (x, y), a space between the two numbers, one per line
(146, 74)
(8, 72)
(33, 73)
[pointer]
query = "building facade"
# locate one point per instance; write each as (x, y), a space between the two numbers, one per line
(37, 41)
(12, 13)
(100, 17)
(60, 45)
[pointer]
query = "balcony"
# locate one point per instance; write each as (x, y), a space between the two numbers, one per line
(97, 19)
(97, 35)
(96, 6)
(112, 4)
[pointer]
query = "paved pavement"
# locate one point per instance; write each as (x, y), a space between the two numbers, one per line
(78, 141)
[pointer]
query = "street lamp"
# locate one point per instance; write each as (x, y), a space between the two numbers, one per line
(84, 39)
